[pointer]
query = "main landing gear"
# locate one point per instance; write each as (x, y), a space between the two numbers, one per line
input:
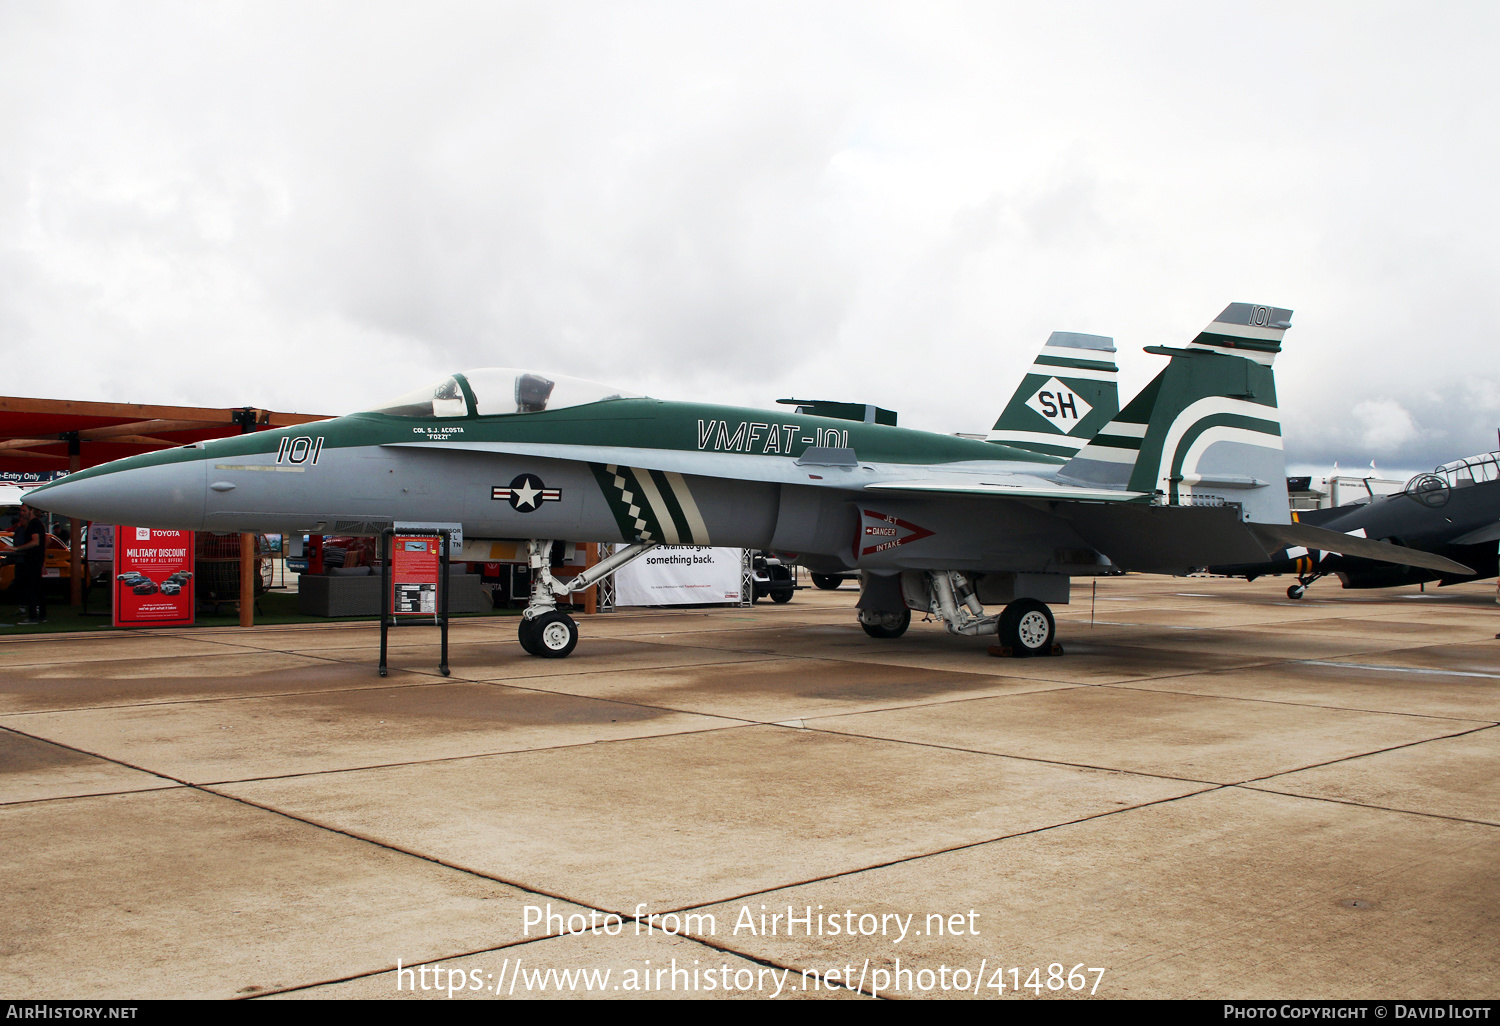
(545, 631)
(1025, 627)
(884, 625)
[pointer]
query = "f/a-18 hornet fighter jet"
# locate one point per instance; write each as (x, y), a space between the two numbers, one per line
(1190, 473)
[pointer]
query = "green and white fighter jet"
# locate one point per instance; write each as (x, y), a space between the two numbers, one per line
(1189, 474)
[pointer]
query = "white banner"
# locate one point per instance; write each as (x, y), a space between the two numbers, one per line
(680, 575)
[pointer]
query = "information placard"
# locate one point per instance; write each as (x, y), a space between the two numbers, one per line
(153, 577)
(412, 569)
(101, 547)
(414, 575)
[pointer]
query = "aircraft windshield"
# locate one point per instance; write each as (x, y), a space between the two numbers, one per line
(1471, 471)
(443, 399)
(508, 390)
(498, 390)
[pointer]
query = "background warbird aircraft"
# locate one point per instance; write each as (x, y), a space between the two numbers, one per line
(1453, 511)
(1189, 474)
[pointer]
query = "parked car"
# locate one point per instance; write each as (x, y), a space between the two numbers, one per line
(57, 563)
(769, 576)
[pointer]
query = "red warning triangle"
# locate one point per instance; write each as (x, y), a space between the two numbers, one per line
(881, 531)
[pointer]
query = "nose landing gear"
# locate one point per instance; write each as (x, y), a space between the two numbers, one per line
(545, 631)
(550, 636)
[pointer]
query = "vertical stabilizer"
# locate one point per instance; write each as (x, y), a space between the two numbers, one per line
(1206, 430)
(1069, 393)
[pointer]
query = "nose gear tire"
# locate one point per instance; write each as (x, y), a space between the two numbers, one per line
(552, 635)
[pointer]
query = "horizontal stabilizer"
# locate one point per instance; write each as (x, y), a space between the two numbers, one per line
(1277, 536)
(1164, 539)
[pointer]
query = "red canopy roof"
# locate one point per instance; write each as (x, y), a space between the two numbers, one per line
(36, 435)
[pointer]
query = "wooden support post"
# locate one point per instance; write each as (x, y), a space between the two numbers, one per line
(75, 559)
(248, 572)
(75, 532)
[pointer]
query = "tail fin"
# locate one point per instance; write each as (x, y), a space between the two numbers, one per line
(1206, 430)
(1069, 394)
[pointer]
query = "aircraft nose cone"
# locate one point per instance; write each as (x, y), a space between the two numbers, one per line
(164, 495)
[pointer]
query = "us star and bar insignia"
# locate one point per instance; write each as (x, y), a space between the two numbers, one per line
(526, 493)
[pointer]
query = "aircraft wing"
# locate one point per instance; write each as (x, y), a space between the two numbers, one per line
(1278, 535)
(1136, 535)
(739, 466)
(841, 471)
(997, 489)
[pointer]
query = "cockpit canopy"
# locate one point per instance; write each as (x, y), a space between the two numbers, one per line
(1433, 489)
(492, 391)
(1474, 470)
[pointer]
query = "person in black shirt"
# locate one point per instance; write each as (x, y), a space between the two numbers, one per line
(30, 540)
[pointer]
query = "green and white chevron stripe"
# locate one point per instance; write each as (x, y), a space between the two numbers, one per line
(652, 505)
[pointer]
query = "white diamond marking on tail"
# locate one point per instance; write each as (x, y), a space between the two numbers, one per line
(1059, 404)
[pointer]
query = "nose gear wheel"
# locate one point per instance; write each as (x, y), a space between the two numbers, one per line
(552, 635)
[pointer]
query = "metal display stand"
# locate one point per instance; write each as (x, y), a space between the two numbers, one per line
(606, 585)
(747, 579)
(388, 617)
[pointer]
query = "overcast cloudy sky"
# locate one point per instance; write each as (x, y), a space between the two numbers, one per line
(312, 206)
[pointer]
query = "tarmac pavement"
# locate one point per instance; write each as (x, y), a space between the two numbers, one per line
(1215, 793)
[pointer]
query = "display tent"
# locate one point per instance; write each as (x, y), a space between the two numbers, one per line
(48, 435)
(40, 437)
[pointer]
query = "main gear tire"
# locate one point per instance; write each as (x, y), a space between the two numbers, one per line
(827, 582)
(890, 625)
(1027, 628)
